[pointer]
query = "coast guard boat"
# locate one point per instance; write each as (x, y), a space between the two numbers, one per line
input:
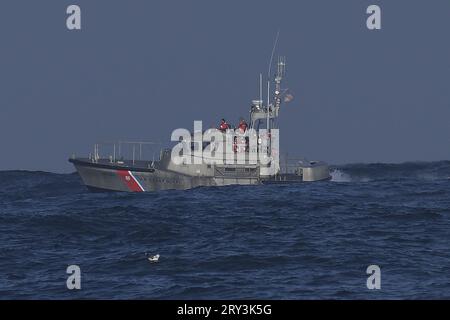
(249, 156)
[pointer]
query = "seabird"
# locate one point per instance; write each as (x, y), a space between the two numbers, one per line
(154, 258)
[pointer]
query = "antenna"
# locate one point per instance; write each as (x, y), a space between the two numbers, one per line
(260, 89)
(273, 51)
(268, 105)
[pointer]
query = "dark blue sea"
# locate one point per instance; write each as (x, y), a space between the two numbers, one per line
(300, 241)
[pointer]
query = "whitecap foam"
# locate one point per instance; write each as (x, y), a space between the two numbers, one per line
(339, 176)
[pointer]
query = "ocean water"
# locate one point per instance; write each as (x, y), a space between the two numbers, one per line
(300, 241)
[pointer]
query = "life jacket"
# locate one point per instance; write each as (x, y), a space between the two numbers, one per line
(224, 126)
(243, 126)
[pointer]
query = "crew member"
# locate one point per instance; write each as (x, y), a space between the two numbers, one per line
(242, 126)
(224, 126)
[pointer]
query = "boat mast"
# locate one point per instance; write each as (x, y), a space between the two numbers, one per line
(268, 80)
(281, 69)
(268, 105)
(260, 89)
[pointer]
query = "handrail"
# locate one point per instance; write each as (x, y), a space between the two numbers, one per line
(118, 154)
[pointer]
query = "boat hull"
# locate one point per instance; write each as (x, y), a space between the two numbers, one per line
(108, 177)
(146, 176)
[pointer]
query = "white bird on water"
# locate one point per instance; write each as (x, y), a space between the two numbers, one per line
(154, 258)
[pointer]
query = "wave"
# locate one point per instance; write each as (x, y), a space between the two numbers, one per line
(23, 184)
(339, 176)
(365, 172)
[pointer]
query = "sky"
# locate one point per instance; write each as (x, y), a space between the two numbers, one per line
(139, 69)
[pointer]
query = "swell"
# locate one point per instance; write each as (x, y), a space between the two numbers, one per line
(276, 241)
(362, 172)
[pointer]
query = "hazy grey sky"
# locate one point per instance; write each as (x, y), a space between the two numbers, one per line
(139, 69)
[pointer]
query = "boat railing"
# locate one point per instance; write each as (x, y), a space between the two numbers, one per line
(119, 151)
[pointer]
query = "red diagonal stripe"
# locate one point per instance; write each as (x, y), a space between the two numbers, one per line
(129, 181)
